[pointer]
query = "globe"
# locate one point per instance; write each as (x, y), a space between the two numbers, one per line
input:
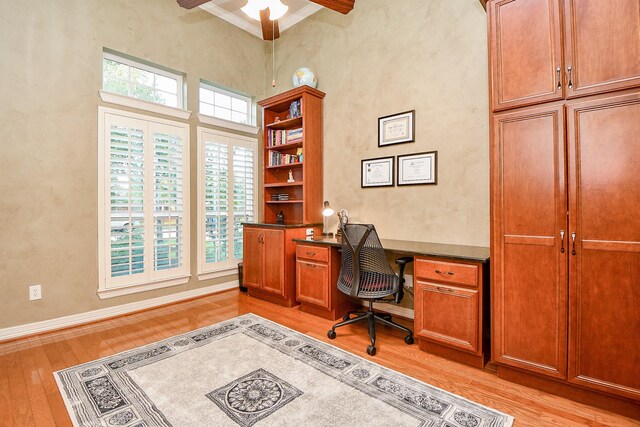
(304, 76)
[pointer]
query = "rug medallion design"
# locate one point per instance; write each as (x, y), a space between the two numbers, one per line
(250, 371)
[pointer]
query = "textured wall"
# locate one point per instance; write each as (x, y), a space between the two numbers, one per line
(387, 57)
(51, 71)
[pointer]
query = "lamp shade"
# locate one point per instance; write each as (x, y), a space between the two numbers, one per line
(327, 210)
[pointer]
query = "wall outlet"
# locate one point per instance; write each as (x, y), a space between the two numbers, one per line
(408, 281)
(35, 292)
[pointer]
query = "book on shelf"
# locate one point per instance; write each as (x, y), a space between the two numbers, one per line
(276, 137)
(277, 158)
(295, 109)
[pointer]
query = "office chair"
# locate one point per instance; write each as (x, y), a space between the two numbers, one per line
(366, 274)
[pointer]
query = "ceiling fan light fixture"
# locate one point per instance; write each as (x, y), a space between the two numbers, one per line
(253, 8)
(277, 9)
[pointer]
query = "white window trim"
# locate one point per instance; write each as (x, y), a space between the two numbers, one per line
(228, 124)
(140, 104)
(251, 112)
(105, 291)
(208, 272)
(143, 66)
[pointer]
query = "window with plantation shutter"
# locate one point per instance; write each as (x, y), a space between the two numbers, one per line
(143, 206)
(226, 192)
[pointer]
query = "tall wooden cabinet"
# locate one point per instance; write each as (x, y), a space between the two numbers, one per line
(565, 195)
(292, 190)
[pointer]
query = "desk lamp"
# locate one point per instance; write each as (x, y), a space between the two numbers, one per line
(327, 211)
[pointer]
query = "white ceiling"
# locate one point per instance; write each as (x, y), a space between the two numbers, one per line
(229, 10)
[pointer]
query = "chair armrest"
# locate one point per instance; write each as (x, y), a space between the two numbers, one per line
(404, 260)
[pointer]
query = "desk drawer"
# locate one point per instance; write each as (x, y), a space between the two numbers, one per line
(442, 271)
(315, 253)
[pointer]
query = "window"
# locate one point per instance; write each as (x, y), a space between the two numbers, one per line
(224, 104)
(226, 198)
(143, 202)
(127, 77)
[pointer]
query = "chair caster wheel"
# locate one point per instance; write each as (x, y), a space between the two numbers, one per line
(371, 350)
(331, 334)
(408, 339)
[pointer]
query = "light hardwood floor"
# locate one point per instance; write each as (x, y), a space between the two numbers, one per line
(29, 394)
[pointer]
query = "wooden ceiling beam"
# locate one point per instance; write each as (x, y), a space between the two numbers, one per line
(342, 6)
(190, 4)
(270, 30)
(483, 3)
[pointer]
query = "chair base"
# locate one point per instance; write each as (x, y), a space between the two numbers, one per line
(371, 317)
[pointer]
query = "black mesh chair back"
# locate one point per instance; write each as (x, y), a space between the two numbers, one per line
(371, 277)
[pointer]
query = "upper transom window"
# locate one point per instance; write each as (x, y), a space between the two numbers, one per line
(224, 104)
(138, 80)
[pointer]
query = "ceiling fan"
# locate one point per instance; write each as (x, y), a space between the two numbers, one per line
(268, 11)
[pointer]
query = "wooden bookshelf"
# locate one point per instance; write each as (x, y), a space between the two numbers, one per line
(304, 204)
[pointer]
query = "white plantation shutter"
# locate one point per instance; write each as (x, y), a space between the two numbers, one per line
(244, 164)
(144, 179)
(216, 201)
(226, 192)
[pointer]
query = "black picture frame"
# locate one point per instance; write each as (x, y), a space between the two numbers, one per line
(397, 128)
(377, 172)
(422, 171)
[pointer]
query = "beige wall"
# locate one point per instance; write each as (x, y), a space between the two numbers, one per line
(51, 69)
(387, 57)
(382, 58)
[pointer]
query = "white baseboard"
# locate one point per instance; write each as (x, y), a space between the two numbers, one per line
(92, 316)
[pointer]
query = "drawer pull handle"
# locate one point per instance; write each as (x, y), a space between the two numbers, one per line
(570, 69)
(450, 273)
(573, 243)
(561, 241)
(446, 290)
(311, 253)
(558, 78)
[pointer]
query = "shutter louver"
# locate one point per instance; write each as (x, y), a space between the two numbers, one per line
(126, 176)
(167, 201)
(243, 185)
(216, 194)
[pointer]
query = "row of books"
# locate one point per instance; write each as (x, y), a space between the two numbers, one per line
(277, 158)
(280, 197)
(280, 137)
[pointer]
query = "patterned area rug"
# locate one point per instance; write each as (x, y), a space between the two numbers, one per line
(250, 371)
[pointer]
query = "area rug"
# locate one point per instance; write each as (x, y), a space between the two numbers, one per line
(250, 371)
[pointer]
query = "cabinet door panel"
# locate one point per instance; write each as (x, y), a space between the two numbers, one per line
(448, 315)
(312, 283)
(525, 52)
(252, 257)
(604, 201)
(602, 45)
(273, 280)
(529, 273)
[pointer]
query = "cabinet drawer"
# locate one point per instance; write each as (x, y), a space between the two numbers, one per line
(312, 283)
(447, 315)
(313, 253)
(441, 271)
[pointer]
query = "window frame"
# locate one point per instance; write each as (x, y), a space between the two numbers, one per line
(112, 286)
(213, 270)
(179, 77)
(251, 108)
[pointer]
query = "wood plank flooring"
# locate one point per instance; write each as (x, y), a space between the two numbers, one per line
(29, 395)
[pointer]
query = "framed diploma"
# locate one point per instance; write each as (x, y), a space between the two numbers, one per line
(396, 129)
(418, 169)
(377, 172)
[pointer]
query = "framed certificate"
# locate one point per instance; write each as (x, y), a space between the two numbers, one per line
(418, 169)
(396, 129)
(377, 172)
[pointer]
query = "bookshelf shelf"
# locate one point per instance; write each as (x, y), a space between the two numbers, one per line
(284, 184)
(296, 122)
(290, 165)
(283, 147)
(279, 202)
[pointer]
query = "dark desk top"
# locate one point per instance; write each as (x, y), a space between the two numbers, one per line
(265, 225)
(468, 253)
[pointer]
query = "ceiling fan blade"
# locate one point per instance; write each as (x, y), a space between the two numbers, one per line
(342, 6)
(190, 4)
(270, 30)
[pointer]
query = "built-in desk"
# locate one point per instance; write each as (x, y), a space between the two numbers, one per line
(451, 292)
